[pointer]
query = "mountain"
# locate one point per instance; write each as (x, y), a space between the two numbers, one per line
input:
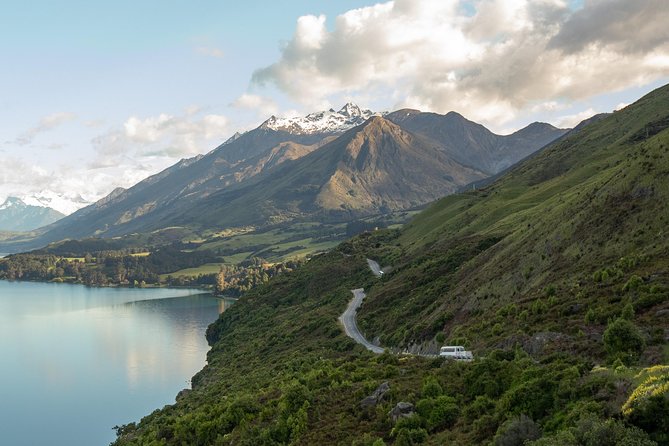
(556, 276)
(329, 121)
(374, 168)
(65, 203)
(16, 215)
(472, 144)
(201, 189)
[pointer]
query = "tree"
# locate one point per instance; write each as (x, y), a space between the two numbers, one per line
(220, 281)
(623, 340)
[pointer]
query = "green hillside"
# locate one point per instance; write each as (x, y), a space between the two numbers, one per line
(556, 276)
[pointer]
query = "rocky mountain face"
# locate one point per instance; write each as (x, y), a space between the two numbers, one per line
(474, 145)
(374, 168)
(16, 215)
(296, 167)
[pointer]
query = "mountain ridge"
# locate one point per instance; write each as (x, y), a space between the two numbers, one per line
(18, 216)
(235, 164)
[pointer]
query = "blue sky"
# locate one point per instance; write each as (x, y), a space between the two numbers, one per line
(96, 95)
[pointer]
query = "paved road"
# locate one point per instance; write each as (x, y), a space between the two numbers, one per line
(350, 325)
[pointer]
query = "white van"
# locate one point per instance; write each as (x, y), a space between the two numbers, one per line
(456, 352)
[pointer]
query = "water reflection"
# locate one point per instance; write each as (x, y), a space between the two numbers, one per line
(99, 356)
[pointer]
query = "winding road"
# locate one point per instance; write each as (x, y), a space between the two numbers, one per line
(348, 316)
(347, 319)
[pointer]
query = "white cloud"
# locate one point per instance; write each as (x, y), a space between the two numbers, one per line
(69, 187)
(44, 125)
(488, 59)
(262, 105)
(125, 155)
(163, 135)
(569, 121)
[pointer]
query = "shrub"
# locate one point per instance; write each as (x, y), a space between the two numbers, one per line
(590, 316)
(591, 431)
(431, 388)
(480, 406)
(517, 431)
(444, 413)
(623, 340)
(409, 431)
(633, 283)
(648, 405)
(628, 312)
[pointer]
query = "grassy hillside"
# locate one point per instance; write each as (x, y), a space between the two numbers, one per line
(556, 276)
(595, 201)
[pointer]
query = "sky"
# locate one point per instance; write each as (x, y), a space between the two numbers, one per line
(96, 95)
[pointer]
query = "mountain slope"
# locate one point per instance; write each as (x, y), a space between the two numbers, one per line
(374, 168)
(15, 215)
(472, 144)
(181, 194)
(177, 187)
(556, 276)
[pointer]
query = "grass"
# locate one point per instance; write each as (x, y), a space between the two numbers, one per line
(208, 268)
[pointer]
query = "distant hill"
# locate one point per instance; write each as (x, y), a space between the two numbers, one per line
(16, 215)
(199, 190)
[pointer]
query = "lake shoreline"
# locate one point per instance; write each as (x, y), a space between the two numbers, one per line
(115, 353)
(113, 285)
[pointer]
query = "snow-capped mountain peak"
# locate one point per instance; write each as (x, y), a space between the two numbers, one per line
(328, 121)
(351, 110)
(63, 203)
(12, 202)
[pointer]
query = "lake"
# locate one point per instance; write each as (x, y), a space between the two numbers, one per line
(77, 361)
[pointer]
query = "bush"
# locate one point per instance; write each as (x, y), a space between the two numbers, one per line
(593, 432)
(633, 283)
(648, 406)
(517, 431)
(444, 413)
(409, 431)
(480, 406)
(628, 312)
(623, 340)
(431, 388)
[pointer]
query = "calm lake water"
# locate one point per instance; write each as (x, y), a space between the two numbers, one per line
(76, 361)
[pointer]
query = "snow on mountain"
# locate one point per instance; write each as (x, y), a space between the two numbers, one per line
(15, 215)
(63, 203)
(329, 121)
(11, 202)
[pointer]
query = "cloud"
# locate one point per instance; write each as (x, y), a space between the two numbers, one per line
(68, 186)
(210, 52)
(489, 59)
(638, 26)
(570, 121)
(123, 156)
(163, 135)
(262, 105)
(45, 124)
